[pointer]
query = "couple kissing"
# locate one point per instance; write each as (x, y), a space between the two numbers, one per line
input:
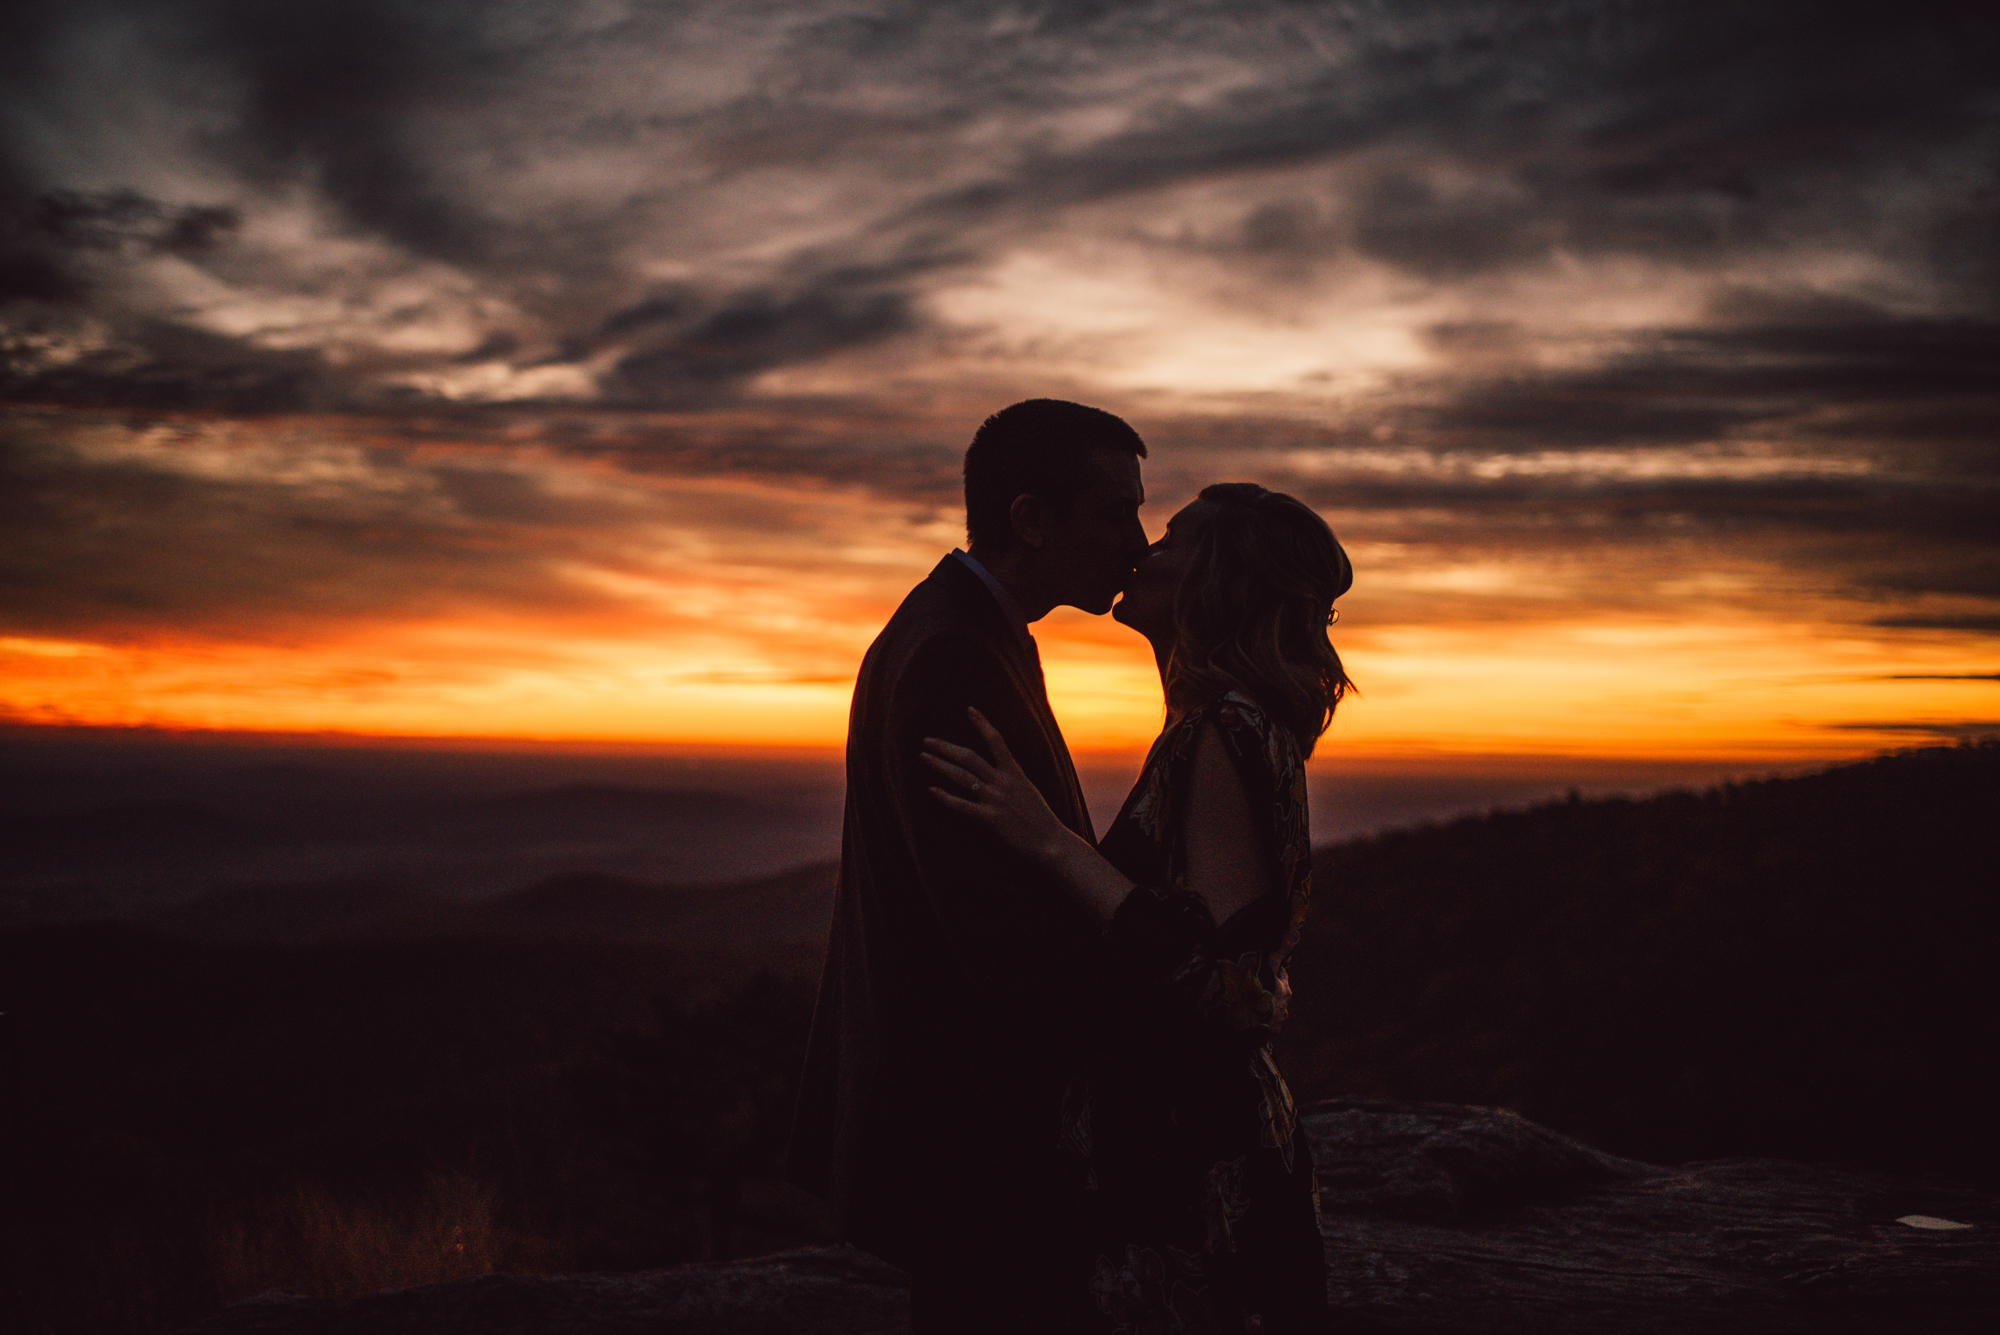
(1040, 1076)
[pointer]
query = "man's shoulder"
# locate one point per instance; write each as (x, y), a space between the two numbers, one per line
(946, 605)
(946, 639)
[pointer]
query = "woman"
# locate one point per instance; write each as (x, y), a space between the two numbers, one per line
(1206, 1210)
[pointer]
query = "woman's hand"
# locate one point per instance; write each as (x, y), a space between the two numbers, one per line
(998, 794)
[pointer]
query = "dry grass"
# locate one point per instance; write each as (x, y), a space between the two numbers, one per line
(309, 1241)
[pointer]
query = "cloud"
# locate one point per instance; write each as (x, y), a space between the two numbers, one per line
(1978, 623)
(756, 332)
(539, 152)
(133, 526)
(122, 219)
(1621, 295)
(1944, 676)
(123, 531)
(1793, 369)
(339, 92)
(1968, 730)
(1466, 141)
(162, 366)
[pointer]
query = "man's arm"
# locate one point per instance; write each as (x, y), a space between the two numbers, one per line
(1001, 917)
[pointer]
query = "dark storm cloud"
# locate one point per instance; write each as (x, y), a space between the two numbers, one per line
(1818, 436)
(1676, 132)
(32, 269)
(683, 346)
(1910, 407)
(336, 89)
(33, 265)
(756, 332)
(903, 456)
(1889, 537)
(144, 546)
(327, 92)
(165, 367)
(499, 495)
(1806, 368)
(41, 236)
(123, 219)
(669, 307)
(1965, 731)
(1476, 140)
(1944, 676)
(1986, 625)
(667, 228)
(137, 539)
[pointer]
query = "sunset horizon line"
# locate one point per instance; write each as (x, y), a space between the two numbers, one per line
(1427, 756)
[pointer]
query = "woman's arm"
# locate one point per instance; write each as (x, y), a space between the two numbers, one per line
(1226, 860)
(1001, 796)
(1210, 970)
(1169, 936)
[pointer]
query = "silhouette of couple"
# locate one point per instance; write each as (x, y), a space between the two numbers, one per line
(1040, 1075)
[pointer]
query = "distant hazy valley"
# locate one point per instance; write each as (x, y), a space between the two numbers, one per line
(248, 840)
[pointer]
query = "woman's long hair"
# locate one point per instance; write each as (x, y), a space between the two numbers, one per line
(1252, 610)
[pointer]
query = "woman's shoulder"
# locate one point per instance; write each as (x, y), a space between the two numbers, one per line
(1264, 752)
(1243, 724)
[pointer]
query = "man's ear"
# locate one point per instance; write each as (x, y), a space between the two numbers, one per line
(1029, 515)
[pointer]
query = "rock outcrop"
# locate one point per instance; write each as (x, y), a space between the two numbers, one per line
(1439, 1219)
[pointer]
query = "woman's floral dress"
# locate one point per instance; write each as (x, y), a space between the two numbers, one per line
(1202, 1187)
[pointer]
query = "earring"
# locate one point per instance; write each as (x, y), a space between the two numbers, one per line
(1332, 616)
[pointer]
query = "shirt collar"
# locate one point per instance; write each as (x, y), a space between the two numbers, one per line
(1008, 606)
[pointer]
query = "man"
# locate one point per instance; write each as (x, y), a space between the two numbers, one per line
(959, 989)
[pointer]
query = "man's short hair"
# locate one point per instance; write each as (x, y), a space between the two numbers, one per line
(1039, 447)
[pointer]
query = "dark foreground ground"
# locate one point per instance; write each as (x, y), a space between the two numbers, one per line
(339, 1092)
(1438, 1218)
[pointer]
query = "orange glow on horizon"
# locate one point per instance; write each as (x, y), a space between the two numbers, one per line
(1737, 691)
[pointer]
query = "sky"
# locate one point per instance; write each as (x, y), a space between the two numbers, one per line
(600, 371)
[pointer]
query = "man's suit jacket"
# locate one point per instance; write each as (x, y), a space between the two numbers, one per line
(960, 982)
